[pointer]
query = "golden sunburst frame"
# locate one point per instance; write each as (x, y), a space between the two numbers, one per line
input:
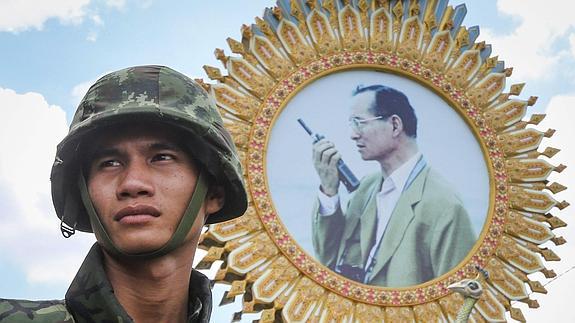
(298, 42)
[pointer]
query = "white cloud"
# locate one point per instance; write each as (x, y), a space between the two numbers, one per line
(92, 36)
(556, 304)
(118, 4)
(26, 14)
(30, 129)
(572, 44)
(529, 48)
(21, 15)
(97, 20)
(146, 3)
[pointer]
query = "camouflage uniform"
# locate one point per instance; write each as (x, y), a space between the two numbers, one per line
(150, 94)
(90, 298)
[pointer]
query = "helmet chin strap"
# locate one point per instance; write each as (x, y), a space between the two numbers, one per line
(175, 241)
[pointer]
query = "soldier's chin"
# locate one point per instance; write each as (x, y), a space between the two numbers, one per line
(137, 247)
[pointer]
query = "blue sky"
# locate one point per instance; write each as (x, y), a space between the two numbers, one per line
(52, 50)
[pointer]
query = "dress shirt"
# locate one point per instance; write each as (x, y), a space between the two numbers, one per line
(387, 198)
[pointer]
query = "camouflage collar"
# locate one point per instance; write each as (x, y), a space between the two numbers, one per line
(91, 298)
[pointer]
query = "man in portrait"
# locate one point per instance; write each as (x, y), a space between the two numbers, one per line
(146, 164)
(404, 225)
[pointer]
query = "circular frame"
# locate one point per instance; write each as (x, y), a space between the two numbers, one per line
(259, 188)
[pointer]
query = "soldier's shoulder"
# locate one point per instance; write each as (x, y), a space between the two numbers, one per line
(18, 310)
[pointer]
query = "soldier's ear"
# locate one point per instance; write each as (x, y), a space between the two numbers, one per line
(215, 199)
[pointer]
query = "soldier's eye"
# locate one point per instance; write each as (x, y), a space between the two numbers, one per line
(163, 157)
(108, 163)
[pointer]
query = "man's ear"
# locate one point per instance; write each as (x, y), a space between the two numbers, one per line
(397, 125)
(215, 199)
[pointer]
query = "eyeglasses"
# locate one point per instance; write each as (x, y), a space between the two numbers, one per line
(357, 123)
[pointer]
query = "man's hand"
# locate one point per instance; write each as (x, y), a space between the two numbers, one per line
(325, 158)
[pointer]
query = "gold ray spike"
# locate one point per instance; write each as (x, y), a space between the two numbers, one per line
(527, 229)
(429, 15)
(519, 257)
(488, 66)
(451, 304)
(213, 73)
(330, 7)
(487, 89)
(238, 287)
(399, 314)
(363, 9)
(528, 170)
(221, 56)
(277, 13)
(554, 222)
(295, 42)
(531, 200)
(506, 114)
(322, 34)
(464, 68)
(429, 312)
(446, 22)
(351, 29)
(381, 35)
(438, 51)
(268, 32)
(203, 84)
(275, 280)
(296, 12)
(249, 77)
(516, 88)
(517, 315)
(490, 307)
(238, 48)
(397, 16)
(302, 301)
(413, 8)
(312, 4)
(336, 309)
(268, 316)
(270, 57)
(376, 4)
(547, 253)
(366, 313)
(241, 105)
(556, 188)
(231, 230)
(251, 254)
(520, 141)
(504, 281)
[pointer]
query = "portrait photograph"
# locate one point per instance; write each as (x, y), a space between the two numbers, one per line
(417, 205)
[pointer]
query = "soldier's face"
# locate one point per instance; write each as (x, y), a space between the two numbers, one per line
(140, 182)
(374, 139)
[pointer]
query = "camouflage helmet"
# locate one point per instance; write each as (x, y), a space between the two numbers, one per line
(155, 94)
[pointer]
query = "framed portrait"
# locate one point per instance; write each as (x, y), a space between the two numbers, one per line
(451, 190)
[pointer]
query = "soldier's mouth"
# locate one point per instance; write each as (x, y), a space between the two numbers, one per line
(137, 210)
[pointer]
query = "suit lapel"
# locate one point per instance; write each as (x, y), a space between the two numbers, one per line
(368, 225)
(367, 219)
(399, 221)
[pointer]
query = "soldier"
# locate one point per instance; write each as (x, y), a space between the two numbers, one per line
(146, 164)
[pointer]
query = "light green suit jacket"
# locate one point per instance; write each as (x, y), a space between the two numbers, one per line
(428, 233)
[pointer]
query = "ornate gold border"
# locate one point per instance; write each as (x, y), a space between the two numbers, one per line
(294, 46)
(281, 95)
